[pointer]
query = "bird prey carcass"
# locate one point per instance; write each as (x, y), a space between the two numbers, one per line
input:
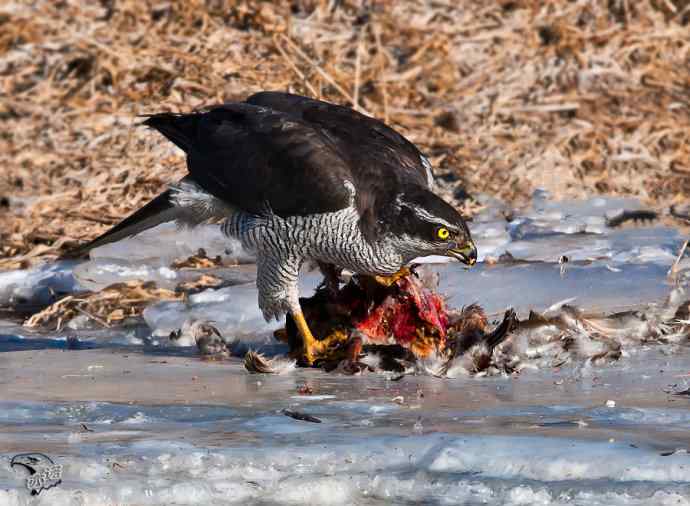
(297, 179)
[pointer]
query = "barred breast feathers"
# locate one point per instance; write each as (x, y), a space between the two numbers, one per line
(333, 237)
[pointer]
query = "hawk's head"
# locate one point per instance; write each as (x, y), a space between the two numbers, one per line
(425, 224)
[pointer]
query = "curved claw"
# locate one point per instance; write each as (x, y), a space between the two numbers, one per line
(312, 348)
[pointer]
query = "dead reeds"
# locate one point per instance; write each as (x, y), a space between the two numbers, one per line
(576, 97)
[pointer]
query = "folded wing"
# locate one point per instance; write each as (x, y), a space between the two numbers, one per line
(254, 158)
(372, 149)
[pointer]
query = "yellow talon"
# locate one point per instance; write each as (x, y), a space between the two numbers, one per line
(313, 348)
(308, 342)
(389, 280)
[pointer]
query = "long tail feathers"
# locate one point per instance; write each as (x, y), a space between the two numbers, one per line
(181, 130)
(159, 210)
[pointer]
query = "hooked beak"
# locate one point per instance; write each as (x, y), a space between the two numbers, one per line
(466, 254)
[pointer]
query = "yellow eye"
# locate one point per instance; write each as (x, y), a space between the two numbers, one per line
(443, 233)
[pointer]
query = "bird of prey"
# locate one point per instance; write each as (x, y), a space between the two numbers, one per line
(298, 179)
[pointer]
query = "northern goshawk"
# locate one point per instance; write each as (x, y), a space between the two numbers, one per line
(298, 179)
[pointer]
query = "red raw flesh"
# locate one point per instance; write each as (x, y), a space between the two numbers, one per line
(430, 306)
(375, 324)
(401, 315)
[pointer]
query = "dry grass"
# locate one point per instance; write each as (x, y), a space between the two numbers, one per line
(110, 306)
(575, 96)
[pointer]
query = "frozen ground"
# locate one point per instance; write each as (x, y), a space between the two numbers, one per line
(138, 427)
(135, 420)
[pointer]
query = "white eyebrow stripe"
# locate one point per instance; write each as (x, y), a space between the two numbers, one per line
(422, 214)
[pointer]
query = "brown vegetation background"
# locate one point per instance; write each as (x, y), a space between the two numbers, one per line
(579, 97)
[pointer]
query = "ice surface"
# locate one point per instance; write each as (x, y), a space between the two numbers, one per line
(180, 431)
(654, 244)
(166, 242)
(40, 285)
(594, 287)
(233, 310)
(608, 269)
(98, 273)
(549, 217)
(137, 421)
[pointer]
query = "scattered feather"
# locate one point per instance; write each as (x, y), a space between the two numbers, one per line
(257, 363)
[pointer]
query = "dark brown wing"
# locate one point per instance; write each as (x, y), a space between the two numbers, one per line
(382, 162)
(373, 149)
(255, 158)
(290, 154)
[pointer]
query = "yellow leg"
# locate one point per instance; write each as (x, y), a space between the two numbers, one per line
(313, 348)
(389, 280)
(309, 344)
